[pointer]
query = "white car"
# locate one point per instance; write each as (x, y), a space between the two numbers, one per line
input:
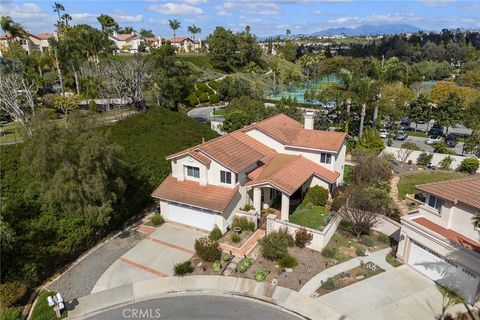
(433, 139)
(383, 133)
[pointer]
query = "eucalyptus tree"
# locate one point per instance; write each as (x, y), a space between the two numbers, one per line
(174, 25)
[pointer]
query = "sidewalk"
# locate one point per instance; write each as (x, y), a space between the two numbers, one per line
(378, 257)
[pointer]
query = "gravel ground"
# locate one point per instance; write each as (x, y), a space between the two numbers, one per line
(80, 280)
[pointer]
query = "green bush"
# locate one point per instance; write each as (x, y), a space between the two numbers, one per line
(246, 207)
(243, 223)
(198, 93)
(183, 268)
(382, 237)
(235, 238)
(367, 241)
(410, 146)
(203, 97)
(202, 87)
(441, 147)
(338, 203)
(370, 141)
(275, 245)
(317, 196)
(446, 162)
(215, 234)
(157, 220)
(328, 284)
(10, 313)
(303, 238)
(207, 249)
(213, 84)
(469, 165)
(225, 257)
(261, 274)
(245, 264)
(288, 261)
(210, 92)
(217, 266)
(360, 252)
(424, 158)
(329, 252)
(92, 106)
(192, 100)
(213, 98)
(391, 260)
(11, 293)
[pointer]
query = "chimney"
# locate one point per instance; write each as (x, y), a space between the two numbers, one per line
(308, 116)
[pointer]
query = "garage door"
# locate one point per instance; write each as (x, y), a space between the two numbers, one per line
(190, 216)
(444, 271)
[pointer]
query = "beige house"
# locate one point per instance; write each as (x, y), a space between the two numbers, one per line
(154, 42)
(29, 42)
(269, 163)
(440, 240)
(127, 42)
(186, 44)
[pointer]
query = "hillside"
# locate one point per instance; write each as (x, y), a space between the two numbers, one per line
(368, 30)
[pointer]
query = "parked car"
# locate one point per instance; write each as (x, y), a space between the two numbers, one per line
(405, 122)
(433, 139)
(401, 135)
(436, 129)
(383, 133)
(451, 140)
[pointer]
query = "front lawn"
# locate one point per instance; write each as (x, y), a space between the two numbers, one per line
(407, 182)
(219, 112)
(42, 311)
(347, 175)
(310, 218)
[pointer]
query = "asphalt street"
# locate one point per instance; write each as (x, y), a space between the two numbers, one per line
(420, 142)
(200, 307)
(204, 114)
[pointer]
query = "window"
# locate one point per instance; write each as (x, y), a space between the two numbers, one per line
(325, 158)
(193, 172)
(225, 177)
(435, 202)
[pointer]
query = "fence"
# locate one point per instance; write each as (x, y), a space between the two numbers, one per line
(405, 155)
(251, 215)
(320, 238)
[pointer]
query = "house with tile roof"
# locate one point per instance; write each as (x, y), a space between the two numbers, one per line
(186, 44)
(28, 41)
(273, 161)
(440, 239)
(127, 42)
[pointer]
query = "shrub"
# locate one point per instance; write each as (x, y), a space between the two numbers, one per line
(424, 158)
(246, 207)
(382, 237)
(235, 238)
(157, 220)
(317, 196)
(329, 252)
(328, 284)
(370, 141)
(213, 98)
(410, 146)
(441, 147)
(192, 100)
(207, 249)
(243, 223)
(274, 245)
(302, 238)
(217, 266)
(367, 241)
(210, 92)
(11, 293)
(10, 313)
(261, 274)
(469, 165)
(360, 252)
(215, 234)
(446, 162)
(92, 106)
(391, 260)
(213, 84)
(202, 87)
(245, 264)
(288, 261)
(182, 268)
(225, 257)
(203, 97)
(338, 203)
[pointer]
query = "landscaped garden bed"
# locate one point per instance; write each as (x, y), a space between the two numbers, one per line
(343, 279)
(231, 238)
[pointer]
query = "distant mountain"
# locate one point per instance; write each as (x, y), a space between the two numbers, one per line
(369, 30)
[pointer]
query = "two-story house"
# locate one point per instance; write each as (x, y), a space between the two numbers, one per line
(440, 239)
(127, 42)
(275, 159)
(183, 44)
(29, 42)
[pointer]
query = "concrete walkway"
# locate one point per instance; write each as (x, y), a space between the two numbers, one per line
(377, 257)
(394, 195)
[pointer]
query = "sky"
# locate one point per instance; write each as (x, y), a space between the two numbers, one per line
(266, 17)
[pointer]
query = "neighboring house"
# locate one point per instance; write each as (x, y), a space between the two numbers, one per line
(440, 240)
(154, 42)
(183, 44)
(275, 159)
(29, 42)
(127, 42)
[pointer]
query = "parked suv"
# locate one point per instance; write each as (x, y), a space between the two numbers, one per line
(436, 130)
(451, 140)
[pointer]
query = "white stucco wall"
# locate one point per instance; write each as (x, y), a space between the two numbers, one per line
(179, 169)
(213, 173)
(340, 161)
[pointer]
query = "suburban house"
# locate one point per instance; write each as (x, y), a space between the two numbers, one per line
(127, 42)
(29, 42)
(440, 239)
(183, 44)
(154, 42)
(272, 162)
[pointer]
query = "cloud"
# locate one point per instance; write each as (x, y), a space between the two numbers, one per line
(353, 21)
(92, 18)
(170, 8)
(437, 2)
(30, 15)
(248, 7)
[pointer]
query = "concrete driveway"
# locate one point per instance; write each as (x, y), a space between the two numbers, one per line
(153, 257)
(401, 293)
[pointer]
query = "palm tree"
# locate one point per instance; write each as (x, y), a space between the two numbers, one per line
(107, 23)
(247, 29)
(59, 9)
(365, 91)
(174, 25)
(193, 29)
(11, 27)
(66, 18)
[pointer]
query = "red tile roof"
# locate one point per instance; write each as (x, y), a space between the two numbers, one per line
(179, 39)
(45, 36)
(192, 193)
(465, 190)
(289, 172)
(291, 132)
(449, 234)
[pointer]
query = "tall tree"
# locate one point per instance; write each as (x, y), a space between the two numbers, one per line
(193, 29)
(146, 33)
(365, 91)
(11, 27)
(174, 25)
(449, 111)
(419, 110)
(59, 9)
(66, 18)
(128, 30)
(107, 23)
